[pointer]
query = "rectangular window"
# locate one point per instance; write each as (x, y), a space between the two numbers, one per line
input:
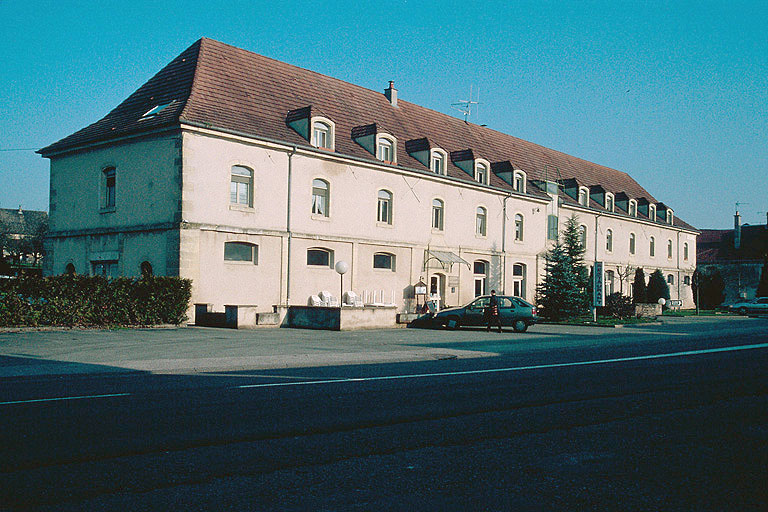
(437, 164)
(437, 214)
(319, 258)
(107, 269)
(552, 227)
(241, 186)
(241, 251)
(384, 261)
(384, 212)
(109, 187)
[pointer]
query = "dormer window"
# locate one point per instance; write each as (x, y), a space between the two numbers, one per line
(385, 148)
(609, 201)
(652, 212)
(670, 216)
(155, 110)
(323, 133)
(584, 196)
(632, 208)
(437, 162)
(519, 182)
(481, 172)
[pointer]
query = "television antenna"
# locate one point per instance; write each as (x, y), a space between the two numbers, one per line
(465, 106)
(737, 206)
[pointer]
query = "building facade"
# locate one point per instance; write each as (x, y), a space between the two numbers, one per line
(737, 255)
(253, 178)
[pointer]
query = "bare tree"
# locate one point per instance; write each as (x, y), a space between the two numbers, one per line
(624, 273)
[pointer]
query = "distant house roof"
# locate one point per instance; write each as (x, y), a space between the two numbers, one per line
(212, 84)
(717, 245)
(21, 222)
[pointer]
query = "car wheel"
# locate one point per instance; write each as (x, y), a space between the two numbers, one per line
(519, 326)
(742, 311)
(452, 322)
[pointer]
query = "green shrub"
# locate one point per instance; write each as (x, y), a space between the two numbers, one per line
(75, 300)
(617, 306)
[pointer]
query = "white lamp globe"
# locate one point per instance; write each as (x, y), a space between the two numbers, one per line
(662, 301)
(342, 267)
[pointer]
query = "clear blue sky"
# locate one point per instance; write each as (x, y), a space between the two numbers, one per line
(673, 93)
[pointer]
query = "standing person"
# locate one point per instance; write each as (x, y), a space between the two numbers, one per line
(492, 312)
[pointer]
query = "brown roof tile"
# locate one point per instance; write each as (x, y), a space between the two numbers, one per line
(229, 88)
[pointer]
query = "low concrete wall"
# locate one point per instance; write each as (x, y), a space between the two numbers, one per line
(335, 319)
(647, 310)
(241, 316)
(368, 318)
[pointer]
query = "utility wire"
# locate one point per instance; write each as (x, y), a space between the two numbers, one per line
(20, 149)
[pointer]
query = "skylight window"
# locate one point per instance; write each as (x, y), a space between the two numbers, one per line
(154, 111)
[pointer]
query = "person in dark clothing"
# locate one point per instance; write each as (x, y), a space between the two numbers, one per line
(492, 312)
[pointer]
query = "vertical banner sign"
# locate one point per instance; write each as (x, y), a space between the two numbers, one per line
(598, 299)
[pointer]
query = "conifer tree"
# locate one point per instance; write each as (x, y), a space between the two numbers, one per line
(639, 290)
(563, 290)
(657, 287)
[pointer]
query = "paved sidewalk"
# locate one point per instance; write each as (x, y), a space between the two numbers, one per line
(197, 349)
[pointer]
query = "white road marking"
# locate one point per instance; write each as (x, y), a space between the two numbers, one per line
(511, 369)
(58, 399)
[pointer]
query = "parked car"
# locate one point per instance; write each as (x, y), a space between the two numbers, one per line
(758, 305)
(513, 312)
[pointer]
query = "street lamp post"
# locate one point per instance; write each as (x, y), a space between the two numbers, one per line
(342, 267)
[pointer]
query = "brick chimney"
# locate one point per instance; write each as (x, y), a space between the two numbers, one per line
(737, 230)
(391, 93)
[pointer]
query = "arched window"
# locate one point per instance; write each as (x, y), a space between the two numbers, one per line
(319, 257)
(385, 149)
(670, 216)
(69, 269)
(481, 173)
(241, 251)
(652, 212)
(632, 208)
(518, 280)
(519, 182)
(609, 282)
(481, 217)
(609, 202)
(632, 241)
(437, 214)
(669, 249)
(687, 280)
(519, 227)
(437, 162)
(583, 196)
(671, 279)
(481, 277)
(241, 186)
(609, 240)
(146, 269)
(685, 251)
(384, 212)
(384, 260)
(583, 236)
(322, 135)
(652, 247)
(321, 197)
(109, 181)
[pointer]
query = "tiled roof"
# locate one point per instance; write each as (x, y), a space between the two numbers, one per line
(717, 245)
(217, 85)
(21, 222)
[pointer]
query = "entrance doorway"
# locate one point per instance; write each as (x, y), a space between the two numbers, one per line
(437, 289)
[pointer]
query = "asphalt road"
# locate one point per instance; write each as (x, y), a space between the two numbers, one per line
(675, 420)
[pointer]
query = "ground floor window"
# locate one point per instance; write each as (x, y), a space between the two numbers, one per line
(518, 280)
(241, 251)
(104, 268)
(320, 257)
(481, 277)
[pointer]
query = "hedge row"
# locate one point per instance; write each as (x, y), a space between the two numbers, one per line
(75, 300)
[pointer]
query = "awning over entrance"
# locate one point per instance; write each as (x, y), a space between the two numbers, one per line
(443, 260)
